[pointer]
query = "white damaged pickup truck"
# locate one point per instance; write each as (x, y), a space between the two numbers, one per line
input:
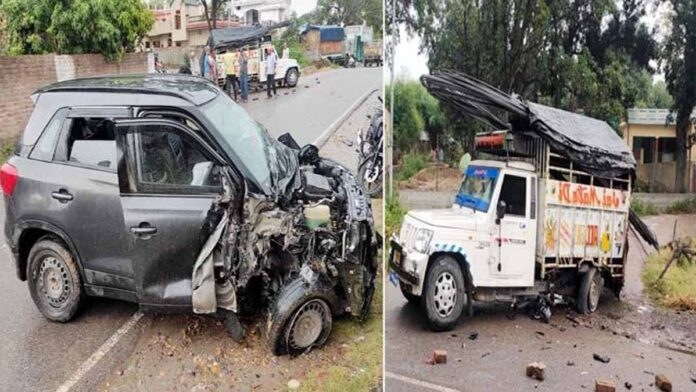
(546, 221)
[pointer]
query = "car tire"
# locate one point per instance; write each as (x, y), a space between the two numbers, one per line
(411, 298)
(300, 319)
(291, 77)
(444, 294)
(54, 280)
(590, 291)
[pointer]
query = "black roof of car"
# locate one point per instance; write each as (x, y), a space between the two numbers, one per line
(194, 89)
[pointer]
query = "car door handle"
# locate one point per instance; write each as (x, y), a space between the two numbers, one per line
(62, 195)
(143, 229)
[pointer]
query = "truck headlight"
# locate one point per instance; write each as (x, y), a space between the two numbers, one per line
(423, 237)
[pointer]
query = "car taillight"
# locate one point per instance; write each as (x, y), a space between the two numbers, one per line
(8, 178)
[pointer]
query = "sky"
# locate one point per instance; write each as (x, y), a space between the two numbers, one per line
(301, 7)
(410, 64)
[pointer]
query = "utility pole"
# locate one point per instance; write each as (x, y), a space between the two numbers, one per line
(391, 103)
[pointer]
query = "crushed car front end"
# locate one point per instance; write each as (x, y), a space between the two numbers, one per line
(305, 250)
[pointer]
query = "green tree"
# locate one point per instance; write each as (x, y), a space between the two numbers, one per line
(679, 60)
(657, 97)
(340, 12)
(212, 10)
(109, 27)
(408, 121)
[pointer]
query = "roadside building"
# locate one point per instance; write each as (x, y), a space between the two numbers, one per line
(263, 12)
(182, 23)
(651, 135)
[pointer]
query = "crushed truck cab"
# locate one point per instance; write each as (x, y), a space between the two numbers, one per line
(546, 221)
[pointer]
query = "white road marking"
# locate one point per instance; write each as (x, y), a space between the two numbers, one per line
(97, 355)
(419, 383)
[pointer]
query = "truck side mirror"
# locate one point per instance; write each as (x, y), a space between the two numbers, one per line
(500, 212)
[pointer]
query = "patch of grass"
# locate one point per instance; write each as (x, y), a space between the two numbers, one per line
(644, 208)
(6, 150)
(676, 289)
(686, 206)
(411, 163)
(394, 216)
(361, 367)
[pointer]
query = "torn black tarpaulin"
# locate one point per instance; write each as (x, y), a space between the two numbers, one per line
(589, 143)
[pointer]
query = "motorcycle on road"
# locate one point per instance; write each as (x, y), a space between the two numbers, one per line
(371, 155)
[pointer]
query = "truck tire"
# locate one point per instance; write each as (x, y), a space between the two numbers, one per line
(300, 319)
(590, 290)
(291, 77)
(444, 294)
(54, 280)
(411, 298)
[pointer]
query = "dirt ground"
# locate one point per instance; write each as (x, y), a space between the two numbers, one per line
(635, 316)
(434, 178)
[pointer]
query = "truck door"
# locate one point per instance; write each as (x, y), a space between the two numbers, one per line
(516, 231)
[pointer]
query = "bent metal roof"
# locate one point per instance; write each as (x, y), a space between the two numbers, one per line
(590, 143)
(194, 89)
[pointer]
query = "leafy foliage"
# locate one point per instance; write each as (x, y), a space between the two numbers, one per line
(109, 27)
(588, 56)
(351, 12)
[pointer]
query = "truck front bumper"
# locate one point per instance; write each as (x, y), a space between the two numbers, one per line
(409, 267)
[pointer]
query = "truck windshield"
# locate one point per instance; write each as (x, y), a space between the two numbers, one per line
(477, 187)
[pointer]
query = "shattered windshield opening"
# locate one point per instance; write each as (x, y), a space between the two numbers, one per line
(477, 187)
(247, 139)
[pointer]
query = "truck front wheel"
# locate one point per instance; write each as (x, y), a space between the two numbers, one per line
(444, 294)
(591, 287)
(291, 77)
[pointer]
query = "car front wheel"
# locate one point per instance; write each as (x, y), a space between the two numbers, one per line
(300, 320)
(444, 294)
(54, 280)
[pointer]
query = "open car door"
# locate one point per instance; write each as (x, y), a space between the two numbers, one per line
(168, 179)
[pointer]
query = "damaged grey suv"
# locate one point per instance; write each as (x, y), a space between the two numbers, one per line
(161, 191)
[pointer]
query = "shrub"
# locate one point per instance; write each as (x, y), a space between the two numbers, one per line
(411, 164)
(643, 208)
(685, 206)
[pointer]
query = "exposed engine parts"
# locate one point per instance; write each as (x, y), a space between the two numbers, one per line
(305, 257)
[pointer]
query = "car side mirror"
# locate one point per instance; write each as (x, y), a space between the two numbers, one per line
(500, 212)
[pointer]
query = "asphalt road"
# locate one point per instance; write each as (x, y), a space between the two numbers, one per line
(318, 100)
(38, 355)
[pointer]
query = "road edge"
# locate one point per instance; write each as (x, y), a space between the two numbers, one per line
(326, 135)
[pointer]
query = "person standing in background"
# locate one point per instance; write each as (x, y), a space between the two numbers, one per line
(243, 75)
(212, 65)
(271, 60)
(205, 70)
(286, 51)
(230, 61)
(195, 64)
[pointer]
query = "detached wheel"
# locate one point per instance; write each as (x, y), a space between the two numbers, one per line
(444, 294)
(291, 77)
(54, 280)
(411, 298)
(590, 291)
(300, 320)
